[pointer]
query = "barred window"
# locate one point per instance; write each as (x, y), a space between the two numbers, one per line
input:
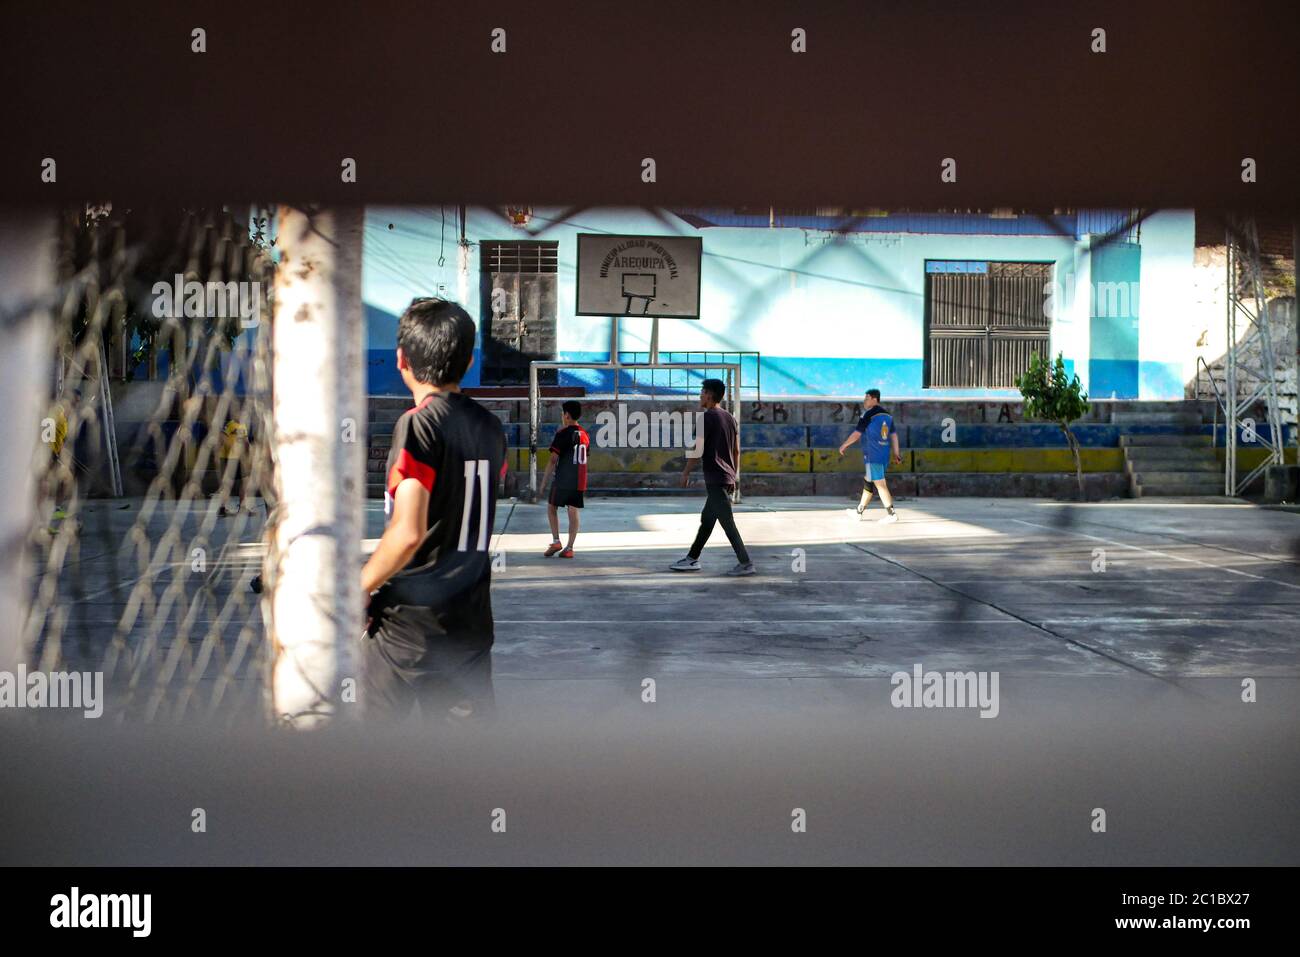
(983, 320)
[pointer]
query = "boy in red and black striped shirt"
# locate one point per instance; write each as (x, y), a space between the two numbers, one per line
(569, 465)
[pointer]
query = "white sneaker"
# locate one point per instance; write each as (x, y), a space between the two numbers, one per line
(686, 564)
(889, 519)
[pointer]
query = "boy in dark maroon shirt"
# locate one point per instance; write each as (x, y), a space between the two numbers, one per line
(721, 466)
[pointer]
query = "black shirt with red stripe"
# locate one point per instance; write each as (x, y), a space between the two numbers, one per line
(456, 449)
(570, 449)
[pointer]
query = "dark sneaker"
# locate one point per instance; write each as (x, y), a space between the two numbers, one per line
(745, 568)
(686, 564)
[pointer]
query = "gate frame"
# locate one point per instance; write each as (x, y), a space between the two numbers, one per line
(534, 396)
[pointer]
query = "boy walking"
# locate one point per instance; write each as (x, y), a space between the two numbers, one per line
(721, 465)
(878, 434)
(569, 466)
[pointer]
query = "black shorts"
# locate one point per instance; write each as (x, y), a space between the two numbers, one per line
(403, 666)
(566, 497)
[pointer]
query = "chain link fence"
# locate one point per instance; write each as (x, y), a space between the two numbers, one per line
(154, 472)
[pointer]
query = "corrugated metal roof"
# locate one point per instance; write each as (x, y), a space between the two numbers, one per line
(996, 223)
(1122, 223)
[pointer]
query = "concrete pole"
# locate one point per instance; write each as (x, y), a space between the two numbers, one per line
(319, 440)
(26, 275)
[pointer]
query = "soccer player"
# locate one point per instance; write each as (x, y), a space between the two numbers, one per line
(721, 466)
(878, 435)
(569, 466)
(428, 584)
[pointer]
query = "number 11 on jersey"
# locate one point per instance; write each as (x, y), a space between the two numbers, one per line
(475, 469)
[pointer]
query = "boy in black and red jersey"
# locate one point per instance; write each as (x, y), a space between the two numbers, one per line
(569, 465)
(428, 583)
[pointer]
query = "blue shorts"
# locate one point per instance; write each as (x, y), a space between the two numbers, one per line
(875, 471)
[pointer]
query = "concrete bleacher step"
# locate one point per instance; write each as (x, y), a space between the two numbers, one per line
(1169, 463)
(1176, 484)
(1169, 459)
(1188, 419)
(1191, 473)
(1159, 443)
(1189, 440)
(1156, 476)
(1169, 452)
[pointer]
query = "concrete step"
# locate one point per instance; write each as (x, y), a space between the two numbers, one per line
(1146, 484)
(1156, 418)
(1177, 489)
(1149, 475)
(1189, 440)
(1162, 466)
(1144, 406)
(1189, 469)
(1169, 453)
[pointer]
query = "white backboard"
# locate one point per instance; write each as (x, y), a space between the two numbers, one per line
(639, 276)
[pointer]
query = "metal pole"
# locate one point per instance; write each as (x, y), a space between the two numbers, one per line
(1230, 386)
(534, 399)
(733, 375)
(320, 441)
(27, 244)
(654, 340)
(613, 350)
(109, 423)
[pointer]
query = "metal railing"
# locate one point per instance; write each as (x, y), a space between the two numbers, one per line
(1218, 404)
(635, 362)
(732, 380)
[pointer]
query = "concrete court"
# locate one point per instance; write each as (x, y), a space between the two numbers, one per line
(1120, 689)
(1192, 588)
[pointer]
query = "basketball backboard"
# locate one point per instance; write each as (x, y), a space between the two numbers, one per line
(639, 276)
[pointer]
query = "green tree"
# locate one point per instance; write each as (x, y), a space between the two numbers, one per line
(202, 243)
(1050, 396)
